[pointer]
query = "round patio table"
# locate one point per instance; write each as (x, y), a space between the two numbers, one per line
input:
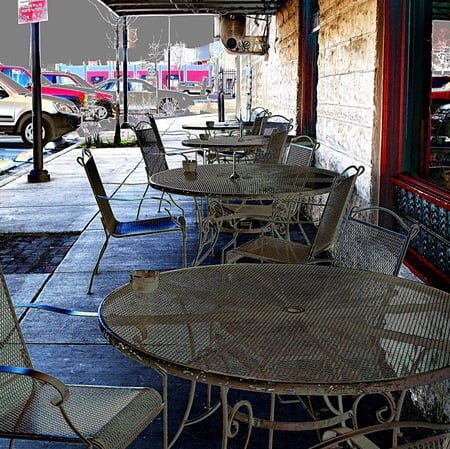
(217, 126)
(244, 182)
(228, 142)
(285, 329)
(232, 145)
(255, 181)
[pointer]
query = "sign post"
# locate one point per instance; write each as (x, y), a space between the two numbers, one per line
(34, 12)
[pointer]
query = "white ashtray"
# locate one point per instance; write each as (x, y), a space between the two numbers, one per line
(144, 280)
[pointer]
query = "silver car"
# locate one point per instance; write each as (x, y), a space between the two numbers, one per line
(142, 97)
(59, 116)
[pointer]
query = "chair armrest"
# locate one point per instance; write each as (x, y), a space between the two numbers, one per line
(60, 310)
(59, 386)
(137, 198)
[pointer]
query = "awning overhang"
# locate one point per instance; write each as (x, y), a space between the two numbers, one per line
(175, 7)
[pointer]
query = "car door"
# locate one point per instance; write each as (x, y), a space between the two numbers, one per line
(7, 107)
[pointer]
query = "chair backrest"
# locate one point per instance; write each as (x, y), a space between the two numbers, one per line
(334, 211)
(274, 151)
(368, 246)
(276, 122)
(258, 111)
(107, 215)
(14, 390)
(152, 148)
(301, 151)
(257, 125)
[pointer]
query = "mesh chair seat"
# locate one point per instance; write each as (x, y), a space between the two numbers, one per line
(106, 416)
(139, 227)
(271, 249)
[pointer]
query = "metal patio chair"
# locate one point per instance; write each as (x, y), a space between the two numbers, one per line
(432, 436)
(252, 218)
(154, 152)
(268, 248)
(37, 406)
(121, 229)
(273, 153)
(301, 151)
(278, 122)
(367, 246)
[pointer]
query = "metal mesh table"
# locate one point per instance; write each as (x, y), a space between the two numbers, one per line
(256, 181)
(285, 329)
(253, 182)
(228, 142)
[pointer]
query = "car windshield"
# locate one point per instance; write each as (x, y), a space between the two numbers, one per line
(12, 85)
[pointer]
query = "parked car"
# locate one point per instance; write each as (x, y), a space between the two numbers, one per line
(104, 102)
(59, 116)
(23, 76)
(142, 96)
(193, 87)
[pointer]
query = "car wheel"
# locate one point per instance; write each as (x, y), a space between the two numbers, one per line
(103, 109)
(26, 131)
(168, 106)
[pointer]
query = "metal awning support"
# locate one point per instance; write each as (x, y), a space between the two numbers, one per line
(173, 7)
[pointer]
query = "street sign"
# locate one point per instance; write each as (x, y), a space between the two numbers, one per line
(32, 11)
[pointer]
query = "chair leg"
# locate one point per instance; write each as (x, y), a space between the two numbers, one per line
(97, 265)
(142, 200)
(184, 238)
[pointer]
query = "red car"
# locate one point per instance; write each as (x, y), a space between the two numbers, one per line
(104, 103)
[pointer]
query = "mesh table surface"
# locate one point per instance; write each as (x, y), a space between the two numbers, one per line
(217, 126)
(228, 142)
(285, 328)
(255, 181)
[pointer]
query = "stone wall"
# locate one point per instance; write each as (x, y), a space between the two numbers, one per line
(347, 117)
(275, 75)
(346, 91)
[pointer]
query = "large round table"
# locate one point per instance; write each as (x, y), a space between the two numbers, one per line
(285, 329)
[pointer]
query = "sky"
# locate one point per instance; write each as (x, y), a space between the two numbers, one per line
(76, 32)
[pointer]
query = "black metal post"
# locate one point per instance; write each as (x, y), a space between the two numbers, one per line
(117, 128)
(168, 57)
(37, 174)
(221, 100)
(125, 69)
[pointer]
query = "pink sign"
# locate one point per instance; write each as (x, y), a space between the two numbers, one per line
(31, 11)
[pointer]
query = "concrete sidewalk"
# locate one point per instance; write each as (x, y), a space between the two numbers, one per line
(73, 349)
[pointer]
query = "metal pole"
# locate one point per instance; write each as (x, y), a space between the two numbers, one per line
(125, 69)
(168, 57)
(221, 99)
(37, 174)
(117, 129)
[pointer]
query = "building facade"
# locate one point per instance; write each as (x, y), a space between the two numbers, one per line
(356, 74)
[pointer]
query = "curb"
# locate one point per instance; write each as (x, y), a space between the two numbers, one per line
(24, 171)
